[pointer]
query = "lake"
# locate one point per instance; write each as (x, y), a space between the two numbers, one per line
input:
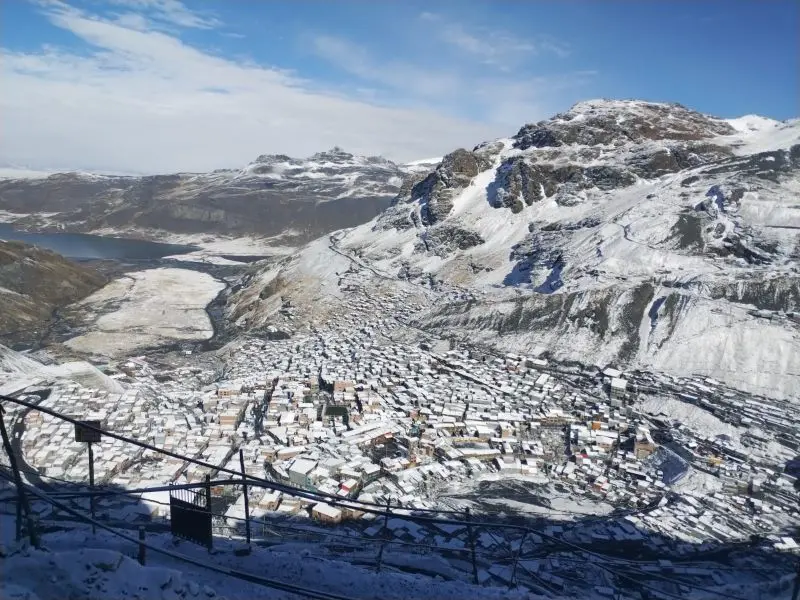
(86, 246)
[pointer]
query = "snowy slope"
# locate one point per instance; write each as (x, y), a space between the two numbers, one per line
(620, 231)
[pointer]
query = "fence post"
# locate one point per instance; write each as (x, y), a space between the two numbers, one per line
(208, 508)
(516, 558)
(22, 501)
(472, 549)
(19, 519)
(91, 484)
(385, 532)
(35, 533)
(142, 548)
(246, 499)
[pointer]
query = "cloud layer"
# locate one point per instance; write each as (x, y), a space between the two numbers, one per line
(139, 99)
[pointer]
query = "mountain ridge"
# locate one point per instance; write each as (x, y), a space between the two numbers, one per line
(625, 232)
(273, 196)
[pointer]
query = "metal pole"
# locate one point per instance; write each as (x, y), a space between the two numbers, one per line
(208, 508)
(246, 499)
(472, 549)
(22, 502)
(142, 548)
(91, 483)
(385, 532)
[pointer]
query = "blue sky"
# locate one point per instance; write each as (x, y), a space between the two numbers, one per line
(163, 85)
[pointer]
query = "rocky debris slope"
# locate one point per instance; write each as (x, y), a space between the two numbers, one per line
(275, 195)
(33, 283)
(638, 233)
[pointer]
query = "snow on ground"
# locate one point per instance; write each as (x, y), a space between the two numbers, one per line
(241, 246)
(692, 416)
(752, 123)
(18, 371)
(758, 134)
(697, 483)
(100, 570)
(224, 251)
(148, 308)
(562, 508)
(424, 161)
(91, 573)
(204, 257)
(85, 374)
(726, 343)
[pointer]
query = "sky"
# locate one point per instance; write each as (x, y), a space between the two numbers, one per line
(158, 86)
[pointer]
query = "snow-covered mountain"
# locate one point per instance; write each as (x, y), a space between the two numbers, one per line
(637, 233)
(275, 195)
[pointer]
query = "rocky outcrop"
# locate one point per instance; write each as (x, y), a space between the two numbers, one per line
(770, 166)
(437, 191)
(606, 319)
(445, 239)
(596, 123)
(773, 294)
(519, 183)
(609, 178)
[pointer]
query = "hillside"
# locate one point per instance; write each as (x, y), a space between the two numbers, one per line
(275, 195)
(33, 283)
(623, 232)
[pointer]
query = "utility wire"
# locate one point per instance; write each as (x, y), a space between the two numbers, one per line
(244, 576)
(366, 507)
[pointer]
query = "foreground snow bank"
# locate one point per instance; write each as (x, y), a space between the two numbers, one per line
(148, 308)
(92, 573)
(106, 572)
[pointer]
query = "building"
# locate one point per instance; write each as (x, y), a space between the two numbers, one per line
(644, 445)
(326, 513)
(619, 387)
(299, 472)
(229, 390)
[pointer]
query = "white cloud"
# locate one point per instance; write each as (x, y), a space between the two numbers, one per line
(138, 99)
(494, 46)
(144, 101)
(507, 99)
(171, 11)
(417, 81)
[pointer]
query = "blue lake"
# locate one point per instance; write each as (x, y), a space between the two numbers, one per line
(86, 246)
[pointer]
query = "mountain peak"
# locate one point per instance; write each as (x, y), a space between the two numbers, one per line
(614, 122)
(335, 154)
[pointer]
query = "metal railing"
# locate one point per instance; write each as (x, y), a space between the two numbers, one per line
(464, 549)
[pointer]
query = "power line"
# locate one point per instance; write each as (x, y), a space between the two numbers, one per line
(365, 507)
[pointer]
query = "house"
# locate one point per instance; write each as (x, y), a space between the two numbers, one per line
(349, 485)
(618, 388)
(326, 513)
(270, 500)
(644, 445)
(227, 391)
(299, 472)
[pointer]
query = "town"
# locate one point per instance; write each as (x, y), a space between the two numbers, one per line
(342, 409)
